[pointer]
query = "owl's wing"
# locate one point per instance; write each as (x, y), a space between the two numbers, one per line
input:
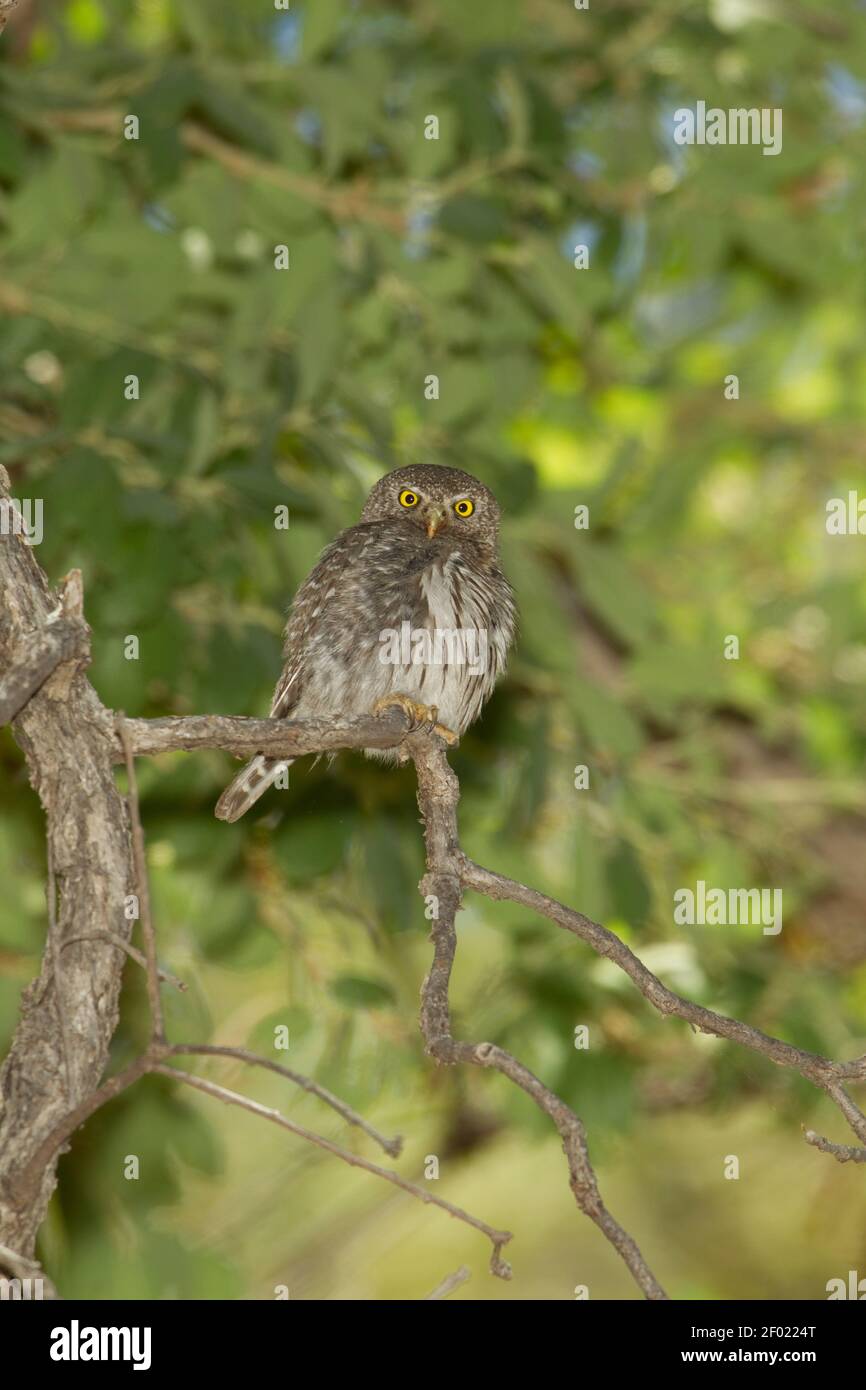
(309, 606)
(287, 690)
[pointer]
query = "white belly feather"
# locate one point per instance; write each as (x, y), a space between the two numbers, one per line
(457, 667)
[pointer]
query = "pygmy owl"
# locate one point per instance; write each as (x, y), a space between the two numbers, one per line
(409, 607)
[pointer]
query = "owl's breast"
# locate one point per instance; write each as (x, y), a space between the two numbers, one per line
(388, 611)
(441, 592)
(453, 644)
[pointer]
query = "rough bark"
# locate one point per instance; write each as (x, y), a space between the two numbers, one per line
(69, 1013)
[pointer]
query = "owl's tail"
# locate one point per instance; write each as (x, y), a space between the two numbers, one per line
(251, 782)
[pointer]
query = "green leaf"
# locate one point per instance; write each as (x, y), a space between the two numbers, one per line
(360, 993)
(321, 21)
(312, 846)
(474, 218)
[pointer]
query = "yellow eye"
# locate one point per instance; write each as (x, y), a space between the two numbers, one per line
(408, 498)
(464, 507)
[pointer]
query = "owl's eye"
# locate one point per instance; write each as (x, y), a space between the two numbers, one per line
(464, 507)
(408, 498)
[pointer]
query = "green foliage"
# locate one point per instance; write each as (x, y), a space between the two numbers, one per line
(560, 387)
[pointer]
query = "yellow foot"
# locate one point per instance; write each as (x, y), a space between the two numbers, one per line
(422, 716)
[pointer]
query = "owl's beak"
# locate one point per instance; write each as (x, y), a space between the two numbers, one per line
(435, 517)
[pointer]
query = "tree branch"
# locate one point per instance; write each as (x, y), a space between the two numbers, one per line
(438, 795)
(21, 1268)
(23, 1186)
(276, 738)
(157, 1022)
(6, 8)
(448, 1285)
(32, 660)
(497, 1238)
(821, 1071)
(75, 996)
(843, 1153)
(394, 1146)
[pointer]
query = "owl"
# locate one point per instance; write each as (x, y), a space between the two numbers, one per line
(409, 607)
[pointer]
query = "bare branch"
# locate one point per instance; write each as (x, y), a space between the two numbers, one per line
(449, 1284)
(6, 8)
(275, 737)
(23, 1185)
(131, 951)
(68, 1014)
(393, 1146)
(607, 944)
(351, 203)
(22, 1268)
(157, 1023)
(844, 1153)
(498, 1239)
(821, 1071)
(438, 794)
(345, 204)
(152, 1059)
(853, 1114)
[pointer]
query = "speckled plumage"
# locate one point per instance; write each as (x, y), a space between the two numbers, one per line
(391, 569)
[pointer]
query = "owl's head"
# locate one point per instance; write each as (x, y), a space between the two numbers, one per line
(436, 500)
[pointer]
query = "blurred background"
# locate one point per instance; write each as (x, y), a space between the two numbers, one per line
(559, 387)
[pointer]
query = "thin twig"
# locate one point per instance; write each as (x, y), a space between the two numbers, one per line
(844, 1153)
(820, 1070)
(23, 1268)
(349, 202)
(345, 204)
(391, 1146)
(157, 1023)
(498, 1239)
(25, 1184)
(448, 1285)
(132, 951)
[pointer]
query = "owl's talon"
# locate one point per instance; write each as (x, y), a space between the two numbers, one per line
(448, 734)
(422, 716)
